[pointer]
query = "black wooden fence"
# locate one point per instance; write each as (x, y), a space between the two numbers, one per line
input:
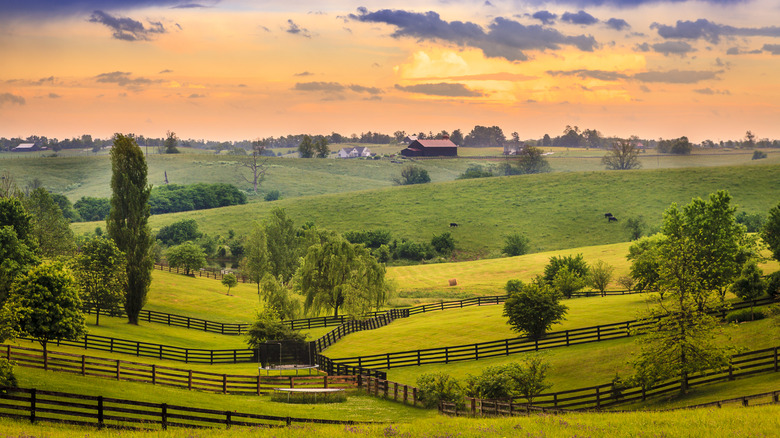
(505, 347)
(106, 412)
(217, 274)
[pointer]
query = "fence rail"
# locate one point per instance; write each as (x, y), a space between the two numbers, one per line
(105, 412)
(505, 347)
(217, 274)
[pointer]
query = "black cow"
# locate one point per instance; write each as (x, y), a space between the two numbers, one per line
(612, 219)
(607, 215)
(453, 224)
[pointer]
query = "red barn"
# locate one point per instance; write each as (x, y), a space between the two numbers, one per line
(431, 148)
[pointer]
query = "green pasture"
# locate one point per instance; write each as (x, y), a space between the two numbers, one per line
(592, 364)
(728, 422)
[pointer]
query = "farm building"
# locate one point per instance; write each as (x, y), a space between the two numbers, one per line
(354, 152)
(409, 139)
(431, 148)
(513, 149)
(27, 147)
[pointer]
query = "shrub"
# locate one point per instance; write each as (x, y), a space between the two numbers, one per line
(369, 238)
(757, 155)
(443, 243)
(414, 251)
(269, 327)
(575, 264)
(439, 387)
(7, 377)
(412, 174)
(273, 195)
(515, 245)
(179, 232)
(475, 171)
(753, 222)
(532, 308)
(744, 315)
(773, 284)
(519, 379)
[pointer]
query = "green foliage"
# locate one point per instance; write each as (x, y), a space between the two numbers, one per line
(531, 160)
(256, 260)
(753, 222)
(369, 238)
(635, 227)
(408, 250)
(277, 297)
(758, 155)
(600, 275)
(100, 272)
(170, 143)
(644, 257)
(268, 327)
(172, 198)
(128, 220)
(533, 308)
(62, 201)
(627, 282)
(744, 315)
(188, 255)
(475, 171)
(443, 243)
(516, 245)
(282, 243)
(7, 377)
(15, 258)
(575, 264)
(335, 274)
(272, 195)
(526, 379)
(229, 281)
(438, 387)
(483, 136)
(773, 284)
(678, 146)
(45, 304)
(93, 209)
(750, 285)
(14, 215)
(49, 226)
(771, 232)
(568, 282)
(321, 146)
(623, 155)
(179, 232)
(306, 148)
(412, 174)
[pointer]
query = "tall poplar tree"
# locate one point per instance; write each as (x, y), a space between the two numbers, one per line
(127, 222)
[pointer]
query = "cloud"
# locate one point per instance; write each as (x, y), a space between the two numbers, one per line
(127, 29)
(196, 96)
(335, 88)
(189, 6)
(772, 48)
(33, 83)
(162, 72)
(362, 89)
(676, 76)
(617, 24)
(58, 8)
(297, 30)
(545, 17)
(504, 38)
(511, 77)
(440, 89)
(710, 91)
(54, 96)
(738, 51)
(680, 48)
(304, 73)
(11, 99)
(580, 17)
(709, 31)
(601, 75)
(123, 79)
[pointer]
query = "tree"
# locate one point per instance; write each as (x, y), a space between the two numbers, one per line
(601, 275)
(568, 282)
(306, 147)
(681, 146)
(483, 136)
(635, 226)
(533, 308)
(179, 232)
(170, 143)
(771, 232)
(457, 137)
(750, 285)
(531, 160)
(321, 146)
(45, 304)
(93, 209)
(575, 264)
(750, 139)
(680, 340)
(623, 155)
(443, 243)
(15, 258)
(256, 163)
(282, 244)
(188, 255)
(100, 272)
(530, 380)
(515, 245)
(127, 222)
(256, 260)
(268, 327)
(644, 257)
(627, 282)
(49, 226)
(229, 280)
(412, 174)
(65, 205)
(435, 388)
(335, 274)
(277, 297)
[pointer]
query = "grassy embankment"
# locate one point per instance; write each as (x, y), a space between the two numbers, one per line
(556, 211)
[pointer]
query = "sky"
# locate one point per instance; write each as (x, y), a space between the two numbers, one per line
(237, 69)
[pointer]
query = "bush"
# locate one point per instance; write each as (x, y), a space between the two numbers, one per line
(369, 238)
(753, 222)
(92, 209)
(575, 264)
(412, 174)
(269, 327)
(475, 171)
(273, 195)
(7, 377)
(515, 245)
(179, 232)
(744, 315)
(414, 251)
(757, 155)
(439, 387)
(773, 284)
(532, 308)
(443, 244)
(518, 379)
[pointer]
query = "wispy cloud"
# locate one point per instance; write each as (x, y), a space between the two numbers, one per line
(580, 17)
(297, 30)
(124, 79)
(668, 77)
(709, 31)
(680, 48)
(11, 99)
(617, 24)
(336, 88)
(440, 89)
(127, 29)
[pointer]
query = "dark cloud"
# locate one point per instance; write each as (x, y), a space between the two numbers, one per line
(738, 51)
(709, 31)
(123, 79)
(710, 91)
(504, 38)
(440, 89)
(335, 88)
(11, 99)
(127, 29)
(297, 30)
(772, 48)
(580, 17)
(190, 6)
(676, 76)
(196, 96)
(362, 89)
(617, 24)
(162, 72)
(590, 74)
(57, 8)
(644, 47)
(34, 83)
(511, 77)
(545, 17)
(680, 48)
(304, 73)
(487, 3)
(54, 96)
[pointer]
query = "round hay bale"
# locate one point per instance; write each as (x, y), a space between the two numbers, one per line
(453, 282)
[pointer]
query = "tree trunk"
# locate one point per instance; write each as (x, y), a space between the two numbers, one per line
(97, 316)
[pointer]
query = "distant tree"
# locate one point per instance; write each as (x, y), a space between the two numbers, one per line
(568, 282)
(256, 262)
(546, 140)
(483, 136)
(635, 227)
(753, 222)
(623, 155)
(443, 243)
(758, 155)
(750, 139)
(272, 195)
(93, 209)
(336, 274)
(100, 272)
(457, 137)
(179, 232)
(771, 232)
(644, 257)
(515, 245)
(188, 255)
(127, 222)
(681, 146)
(627, 282)
(600, 275)
(44, 304)
(170, 143)
(533, 308)
(412, 174)
(229, 281)
(475, 171)
(49, 226)
(66, 207)
(531, 160)
(282, 243)
(306, 148)
(750, 285)
(257, 164)
(321, 146)
(16, 257)
(575, 264)
(277, 297)
(269, 327)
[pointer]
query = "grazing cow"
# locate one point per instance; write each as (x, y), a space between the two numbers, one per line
(607, 215)
(612, 219)
(453, 224)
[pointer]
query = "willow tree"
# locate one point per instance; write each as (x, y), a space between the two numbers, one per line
(336, 274)
(127, 221)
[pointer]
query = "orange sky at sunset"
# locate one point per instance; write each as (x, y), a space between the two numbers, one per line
(233, 70)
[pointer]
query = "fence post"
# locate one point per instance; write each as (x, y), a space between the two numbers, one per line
(227, 419)
(32, 405)
(45, 359)
(473, 406)
(406, 394)
(598, 398)
(189, 380)
(83, 365)
(476, 352)
(117, 369)
(154, 374)
(598, 332)
(224, 383)
(775, 359)
(258, 383)
(8, 352)
(414, 396)
(100, 412)
(567, 338)
(164, 415)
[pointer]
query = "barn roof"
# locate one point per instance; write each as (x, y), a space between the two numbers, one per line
(437, 143)
(25, 146)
